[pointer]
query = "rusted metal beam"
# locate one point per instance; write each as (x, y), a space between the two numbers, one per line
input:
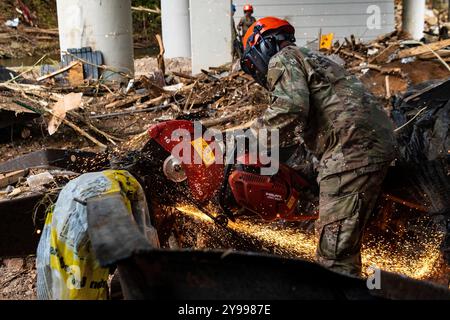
(210, 275)
(72, 160)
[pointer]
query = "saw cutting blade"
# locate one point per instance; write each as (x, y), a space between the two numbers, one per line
(174, 170)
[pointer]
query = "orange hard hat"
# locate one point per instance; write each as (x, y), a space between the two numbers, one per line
(265, 25)
(248, 7)
(261, 42)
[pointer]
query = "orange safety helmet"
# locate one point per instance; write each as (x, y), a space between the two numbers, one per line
(248, 7)
(265, 25)
(261, 43)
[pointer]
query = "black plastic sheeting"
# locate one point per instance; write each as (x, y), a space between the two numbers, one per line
(6, 74)
(424, 144)
(90, 71)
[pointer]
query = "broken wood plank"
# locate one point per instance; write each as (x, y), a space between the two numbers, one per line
(217, 121)
(384, 55)
(411, 52)
(429, 55)
(53, 32)
(160, 57)
(388, 87)
(128, 112)
(55, 73)
(76, 75)
(210, 76)
(245, 76)
(352, 54)
(217, 103)
(243, 126)
(147, 10)
(126, 102)
(183, 75)
(153, 102)
(188, 99)
(10, 178)
(366, 66)
(228, 118)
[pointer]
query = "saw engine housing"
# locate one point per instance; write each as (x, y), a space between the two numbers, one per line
(271, 197)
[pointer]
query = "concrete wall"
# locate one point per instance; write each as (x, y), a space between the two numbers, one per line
(176, 30)
(103, 25)
(342, 17)
(210, 33)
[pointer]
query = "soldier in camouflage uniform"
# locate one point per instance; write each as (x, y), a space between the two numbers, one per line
(247, 20)
(318, 103)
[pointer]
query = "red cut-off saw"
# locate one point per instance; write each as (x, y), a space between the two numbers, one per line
(192, 171)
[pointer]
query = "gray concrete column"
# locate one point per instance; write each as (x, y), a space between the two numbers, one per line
(103, 25)
(414, 18)
(210, 33)
(176, 31)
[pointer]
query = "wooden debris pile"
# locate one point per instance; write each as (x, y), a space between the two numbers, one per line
(27, 41)
(389, 64)
(107, 114)
(388, 48)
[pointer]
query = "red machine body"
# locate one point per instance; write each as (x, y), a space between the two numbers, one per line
(271, 197)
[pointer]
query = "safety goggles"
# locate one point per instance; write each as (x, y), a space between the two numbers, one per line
(255, 60)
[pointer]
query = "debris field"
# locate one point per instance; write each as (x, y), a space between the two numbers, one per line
(61, 109)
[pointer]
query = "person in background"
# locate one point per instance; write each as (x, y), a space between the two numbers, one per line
(247, 20)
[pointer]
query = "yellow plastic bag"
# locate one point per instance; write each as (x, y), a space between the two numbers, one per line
(66, 265)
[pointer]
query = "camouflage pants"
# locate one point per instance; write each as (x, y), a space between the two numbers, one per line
(346, 202)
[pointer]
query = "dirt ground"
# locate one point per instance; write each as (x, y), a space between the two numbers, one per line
(18, 279)
(413, 74)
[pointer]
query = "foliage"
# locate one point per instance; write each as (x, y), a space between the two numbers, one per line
(145, 25)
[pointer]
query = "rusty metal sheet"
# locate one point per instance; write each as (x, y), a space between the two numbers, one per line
(72, 160)
(229, 275)
(11, 115)
(20, 221)
(210, 275)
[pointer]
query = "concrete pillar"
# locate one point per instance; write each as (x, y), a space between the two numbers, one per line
(414, 18)
(103, 25)
(448, 10)
(210, 33)
(176, 31)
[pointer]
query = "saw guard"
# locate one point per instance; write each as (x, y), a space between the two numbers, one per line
(203, 179)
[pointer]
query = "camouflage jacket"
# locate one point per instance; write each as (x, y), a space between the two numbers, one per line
(317, 102)
(245, 23)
